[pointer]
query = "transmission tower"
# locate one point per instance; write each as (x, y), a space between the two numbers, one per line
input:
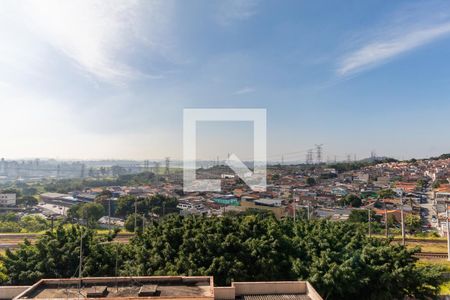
(319, 153)
(167, 165)
(156, 168)
(83, 170)
(309, 157)
(146, 165)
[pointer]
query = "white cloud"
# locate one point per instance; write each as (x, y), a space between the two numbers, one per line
(244, 90)
(411, 28)
(236, 10)
(97, 36)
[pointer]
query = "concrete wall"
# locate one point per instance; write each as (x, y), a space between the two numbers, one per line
(265, 288)
(274, 287)
(279, 212)
(9, 292)
(312, 293)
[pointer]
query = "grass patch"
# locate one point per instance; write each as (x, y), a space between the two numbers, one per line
(428, 247)
(434, 262)
(430, 237)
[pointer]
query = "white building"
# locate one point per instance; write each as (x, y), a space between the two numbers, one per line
(7, 199)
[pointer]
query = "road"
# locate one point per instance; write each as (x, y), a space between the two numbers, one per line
(428, 210)
(54, 209)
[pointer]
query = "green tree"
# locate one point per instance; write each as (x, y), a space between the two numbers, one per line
(352, 200)
(359, 216)
(129, 222)
(8, 226)
(27, 200)
(56, 255)
(34, 223)
(91, 212)
(310, 181)
(158, 204)
(421, 183)
(386, 194)
(412, 222)
(336, 257)
(276, 177)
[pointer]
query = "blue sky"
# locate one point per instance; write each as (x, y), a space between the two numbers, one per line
(110, 79)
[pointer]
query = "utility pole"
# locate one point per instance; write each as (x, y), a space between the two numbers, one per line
(370, 219)
(403, 220)
(386, 220)
(109, 213)
(80, 267)
(80, 271)
(135, 215)
(295, 210)
(448, 229)
(164, 208)
(308, 210)
(143, 223)
(115, 270)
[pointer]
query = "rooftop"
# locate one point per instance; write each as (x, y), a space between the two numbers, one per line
(160, 287)
(164, 287)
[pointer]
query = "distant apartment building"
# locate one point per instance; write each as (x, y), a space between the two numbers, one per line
(7, 199)
(382, 182)
(361, 177)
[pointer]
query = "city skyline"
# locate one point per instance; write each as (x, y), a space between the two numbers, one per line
(102, 80)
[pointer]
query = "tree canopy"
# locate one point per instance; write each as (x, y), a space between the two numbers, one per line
(336, 257)
(158, 204)
(352, 200)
